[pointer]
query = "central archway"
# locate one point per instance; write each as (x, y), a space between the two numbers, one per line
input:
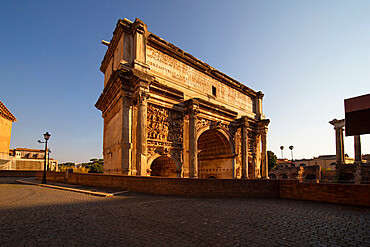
(163, 166)
(215, 158)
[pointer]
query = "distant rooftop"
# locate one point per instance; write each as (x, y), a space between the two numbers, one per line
(27, 149)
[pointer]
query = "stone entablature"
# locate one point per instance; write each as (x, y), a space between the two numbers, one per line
(169, 68)
(164, 108)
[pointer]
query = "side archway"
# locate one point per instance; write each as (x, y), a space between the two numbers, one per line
(215, 156)
(163, 166)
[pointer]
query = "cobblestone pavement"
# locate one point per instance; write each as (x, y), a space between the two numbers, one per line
(33, 215)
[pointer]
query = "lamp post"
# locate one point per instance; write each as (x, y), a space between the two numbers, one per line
(291, 149)
(282, 153)
(46, 137)
(48, 162)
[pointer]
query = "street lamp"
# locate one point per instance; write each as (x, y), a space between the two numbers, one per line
(46, 137)
(291, 149)
(282, 153)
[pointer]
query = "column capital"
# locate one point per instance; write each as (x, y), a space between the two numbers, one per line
(338, 124)
(192, 106)
(244, 122)
(260, 95)
(262, 126)
(141, 97)
(140, 78)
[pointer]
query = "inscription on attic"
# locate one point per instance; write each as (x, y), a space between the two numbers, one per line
(165, 65)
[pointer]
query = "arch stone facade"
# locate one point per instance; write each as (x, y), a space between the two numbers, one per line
(158, 100)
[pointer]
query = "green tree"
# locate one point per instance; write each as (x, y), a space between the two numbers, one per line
(96, 168)
(272, 160)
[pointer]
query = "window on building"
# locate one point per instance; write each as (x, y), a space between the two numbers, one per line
(214, 91)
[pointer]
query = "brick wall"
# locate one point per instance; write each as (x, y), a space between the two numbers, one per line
(8, 173)
(291, 189)
(173, 186)
(353, 194)
(328, 175)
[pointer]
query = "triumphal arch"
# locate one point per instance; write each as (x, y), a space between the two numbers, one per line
(167, 113)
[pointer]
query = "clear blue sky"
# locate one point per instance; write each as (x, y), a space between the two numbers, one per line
(305, 56)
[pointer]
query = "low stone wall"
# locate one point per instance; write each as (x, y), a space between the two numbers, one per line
(328, 175)
(352, 194)
(17, 173)
(173, 186)
(291, 189)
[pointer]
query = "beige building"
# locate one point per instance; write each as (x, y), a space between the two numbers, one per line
(324, 161)
(28, 159)
(167, 113)
(6, 122)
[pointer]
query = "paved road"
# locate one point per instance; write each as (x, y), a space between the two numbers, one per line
(32, 215)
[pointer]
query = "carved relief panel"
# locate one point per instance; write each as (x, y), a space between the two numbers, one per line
(164, 125)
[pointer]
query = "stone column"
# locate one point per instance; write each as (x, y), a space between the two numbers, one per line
(264, 157)
(126, 145)
(254, 164)
(193, 145)
(339, 142)
(262, 124)
(358, 159)
(258, 103)
(244, 147)
(141, 135)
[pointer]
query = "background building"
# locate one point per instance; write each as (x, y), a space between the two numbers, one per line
(28, 159)
(326, 162)
(19, 158)
(6, 122)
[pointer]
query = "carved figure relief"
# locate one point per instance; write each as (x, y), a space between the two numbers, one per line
(164, 124)
(201, 122)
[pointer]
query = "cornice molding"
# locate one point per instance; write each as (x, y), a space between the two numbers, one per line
(110, 90)
(5, 113)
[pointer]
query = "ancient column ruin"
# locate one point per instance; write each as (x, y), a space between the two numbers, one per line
(339, 141)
